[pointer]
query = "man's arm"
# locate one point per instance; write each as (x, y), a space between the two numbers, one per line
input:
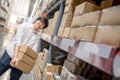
(14, 59)
(18, 42)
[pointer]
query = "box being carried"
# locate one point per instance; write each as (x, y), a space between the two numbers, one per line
(26, 59)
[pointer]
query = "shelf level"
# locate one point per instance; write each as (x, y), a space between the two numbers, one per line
(99, 55)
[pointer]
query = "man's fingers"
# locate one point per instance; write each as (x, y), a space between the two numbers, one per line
(12, 63)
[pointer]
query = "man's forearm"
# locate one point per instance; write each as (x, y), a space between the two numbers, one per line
(15, 51)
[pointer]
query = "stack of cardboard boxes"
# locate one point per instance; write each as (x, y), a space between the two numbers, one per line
(67, 16)
(79, 20)
(52, 23)
(109, 27)
(74, 69)
(88, 22)
(97, 26)
(50, 70)
(85, 26)
(40, 64)
(27, 58)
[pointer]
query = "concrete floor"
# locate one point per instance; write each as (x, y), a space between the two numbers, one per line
(5, 39)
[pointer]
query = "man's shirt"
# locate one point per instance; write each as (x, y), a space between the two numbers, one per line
(24, 36)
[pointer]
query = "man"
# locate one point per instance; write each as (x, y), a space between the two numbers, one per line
(27, 34)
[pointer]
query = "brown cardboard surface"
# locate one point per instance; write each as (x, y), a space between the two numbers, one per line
(70, 66)
(43, 59)
(50, 67)
(92, 18)
(69, 8)
(37, 74)
(56, 14)
(28, 51)
(77, 21)
(106, 4)
(86, 33)
(66, 32)
(26, 59)
(108, 34)
(49, 26)
(58, 69)
(23, 67)
(48, 75)
(73, 1)
(66, 75)
(85, 8)
(53, 68)
(60, 32)
(67, 16)
(111, 16)
(74, 59)
(65, 23)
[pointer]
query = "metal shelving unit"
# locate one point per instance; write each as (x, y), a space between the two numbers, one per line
(98, 55)
(4, 4)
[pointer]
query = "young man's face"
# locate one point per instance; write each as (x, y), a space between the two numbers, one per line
(39, 24)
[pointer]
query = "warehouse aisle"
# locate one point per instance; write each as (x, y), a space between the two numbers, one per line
(5, 39)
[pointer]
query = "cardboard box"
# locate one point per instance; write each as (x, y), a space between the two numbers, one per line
(50, 31)
(73, 2)
(43, 59)
(80, 71)
(67, 16)
(56, 15)
(26, 59)
(53, 23)
(60, 32)
(66, 75)
(92, 18)
(65, 23)
(58, 69)
(108, 34)
(49, 26)
(74, 59)
(50, 67)
(28, 51)
(85, 8)
(77, 21)
(23, 67)
(66, 32)
(37, 74)
(37, 63)
(106, 4)
(70, 66)
(86, 33)
(48, 75)
(53, 68)
(69, 8)
(110, 16)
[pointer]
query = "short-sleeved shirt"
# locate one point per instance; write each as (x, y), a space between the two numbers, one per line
(24, 36)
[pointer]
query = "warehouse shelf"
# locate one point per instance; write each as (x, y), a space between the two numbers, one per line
(52, 8)
(99, 55)
(2, 18)
(103, 57)
(1, 24)
(4, 8)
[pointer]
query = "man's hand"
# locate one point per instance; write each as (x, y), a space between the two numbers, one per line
(14, 61)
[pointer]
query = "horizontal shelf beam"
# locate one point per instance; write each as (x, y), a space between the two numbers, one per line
(99, 55)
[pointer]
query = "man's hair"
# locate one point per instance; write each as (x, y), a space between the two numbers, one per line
(44, 20)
